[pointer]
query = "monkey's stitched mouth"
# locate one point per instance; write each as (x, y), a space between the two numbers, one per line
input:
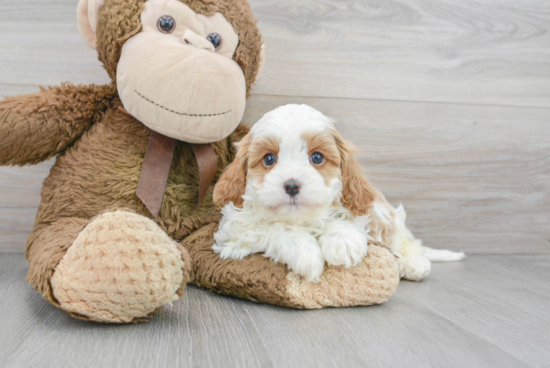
(176, 112)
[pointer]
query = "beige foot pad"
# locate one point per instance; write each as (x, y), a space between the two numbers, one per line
(256, 278)
(121, 268)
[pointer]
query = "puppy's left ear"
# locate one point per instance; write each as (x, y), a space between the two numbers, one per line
(232, 184)
(358, 194)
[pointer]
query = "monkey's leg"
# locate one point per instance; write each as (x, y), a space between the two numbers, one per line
(372, 281)
(117, 268)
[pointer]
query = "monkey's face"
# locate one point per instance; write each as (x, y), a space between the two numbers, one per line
(177, 72)
(177, 76)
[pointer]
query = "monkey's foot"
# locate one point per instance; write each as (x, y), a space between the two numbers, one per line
(121, 268)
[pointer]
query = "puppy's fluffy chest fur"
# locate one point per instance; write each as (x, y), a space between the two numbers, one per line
(305, 245)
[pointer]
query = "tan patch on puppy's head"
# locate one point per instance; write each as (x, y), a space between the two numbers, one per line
(339, 161)
(258, 150)
(325, 144)
(248, 162)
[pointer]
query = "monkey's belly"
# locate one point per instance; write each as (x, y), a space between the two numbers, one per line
(100, 173)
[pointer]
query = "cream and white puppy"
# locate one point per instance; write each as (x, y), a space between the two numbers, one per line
(296, 193)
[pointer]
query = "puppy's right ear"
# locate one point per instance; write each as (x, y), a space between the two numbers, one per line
(87, 15)
(232, 183)
(357, 193)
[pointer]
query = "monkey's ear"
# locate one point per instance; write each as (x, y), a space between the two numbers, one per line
(262, 60)
(87, 16)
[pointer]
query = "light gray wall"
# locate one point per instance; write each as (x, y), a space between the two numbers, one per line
(449, 102)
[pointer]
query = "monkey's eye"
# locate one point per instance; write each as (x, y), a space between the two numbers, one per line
(270, 160)
(317, 158)
(166, 24)
(216, 40)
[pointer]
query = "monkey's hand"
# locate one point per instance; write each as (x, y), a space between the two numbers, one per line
(38, 126)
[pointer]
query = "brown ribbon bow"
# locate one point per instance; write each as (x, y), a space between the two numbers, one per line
(156, 167)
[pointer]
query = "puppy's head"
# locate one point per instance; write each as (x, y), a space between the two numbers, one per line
(294, 162)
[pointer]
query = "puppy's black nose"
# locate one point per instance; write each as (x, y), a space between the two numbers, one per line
(292, 187)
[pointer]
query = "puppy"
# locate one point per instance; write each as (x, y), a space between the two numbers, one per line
(296, 193)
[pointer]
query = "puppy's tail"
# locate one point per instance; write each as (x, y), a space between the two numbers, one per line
(442, 255)
(434, 255)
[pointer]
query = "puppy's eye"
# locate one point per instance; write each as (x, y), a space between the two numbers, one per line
(166, 24)
(270, 160)
(216, 40)
(317, 158)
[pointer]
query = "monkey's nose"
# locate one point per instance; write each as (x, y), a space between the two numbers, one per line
(193, 39)
(292, 187)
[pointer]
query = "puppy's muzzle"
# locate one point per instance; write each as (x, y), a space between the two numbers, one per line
(292, 187)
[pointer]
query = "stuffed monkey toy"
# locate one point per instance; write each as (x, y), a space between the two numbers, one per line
(126, 218)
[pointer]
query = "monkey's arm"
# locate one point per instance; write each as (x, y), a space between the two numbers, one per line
(37, 126)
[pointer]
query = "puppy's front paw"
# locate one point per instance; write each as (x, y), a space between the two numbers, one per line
(343, 244)
(310, 266)
(414, 267)
(301, 253)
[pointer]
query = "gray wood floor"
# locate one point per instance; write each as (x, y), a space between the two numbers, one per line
(488, 311)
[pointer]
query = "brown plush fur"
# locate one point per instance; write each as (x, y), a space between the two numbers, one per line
(101, 149)
(38, 126)
(101, 153)
(100, 174)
